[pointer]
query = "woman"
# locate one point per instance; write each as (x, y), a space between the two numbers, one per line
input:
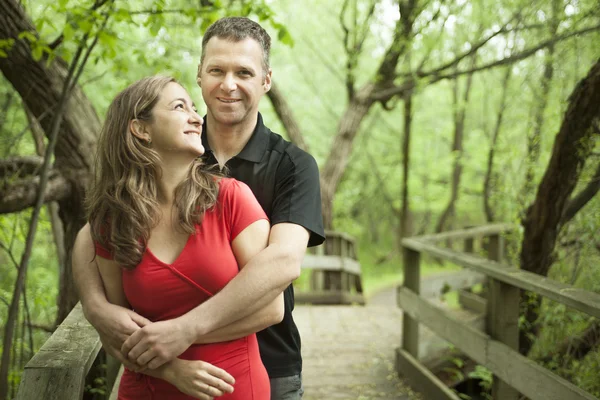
(169, 235)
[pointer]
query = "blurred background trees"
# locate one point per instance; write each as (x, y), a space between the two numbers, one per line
(423, 115)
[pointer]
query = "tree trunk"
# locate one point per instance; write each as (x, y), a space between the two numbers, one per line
(336, 163)
(40, 86)
(534, 139)
(405, 218)
(460, 108)
(53, 213)
(284, 112)
(543, 219)
(487, 182)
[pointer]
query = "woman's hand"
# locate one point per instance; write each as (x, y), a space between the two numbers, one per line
(199, 379)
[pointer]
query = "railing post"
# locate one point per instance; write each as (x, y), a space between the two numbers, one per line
(412, 281)
(469, 245)
(502, 320)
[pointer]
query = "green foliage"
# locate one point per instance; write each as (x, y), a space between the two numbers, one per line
(144, 37)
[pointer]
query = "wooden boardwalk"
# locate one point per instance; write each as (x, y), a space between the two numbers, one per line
(348, 352)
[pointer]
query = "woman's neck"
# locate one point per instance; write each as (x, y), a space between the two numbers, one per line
(172, 175)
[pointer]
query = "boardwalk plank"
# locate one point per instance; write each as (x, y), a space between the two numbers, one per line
(348, 352)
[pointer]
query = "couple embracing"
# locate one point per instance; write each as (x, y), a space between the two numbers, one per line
(197, 227)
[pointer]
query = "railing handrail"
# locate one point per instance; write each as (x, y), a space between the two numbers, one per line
(58, 370)
(577, 298)
(467, 233)
(497, 348)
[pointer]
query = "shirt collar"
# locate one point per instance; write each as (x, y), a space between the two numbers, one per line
(256, 146)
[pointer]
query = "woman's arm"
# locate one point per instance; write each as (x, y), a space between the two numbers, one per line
(195, 378)
(110, 272)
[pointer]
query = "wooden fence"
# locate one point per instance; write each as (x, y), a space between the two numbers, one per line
(335, 272)
(59, 370)
(497, 347)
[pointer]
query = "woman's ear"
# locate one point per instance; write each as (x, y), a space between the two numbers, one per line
(138, 129)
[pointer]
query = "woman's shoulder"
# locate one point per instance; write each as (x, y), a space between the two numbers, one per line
(231, 185)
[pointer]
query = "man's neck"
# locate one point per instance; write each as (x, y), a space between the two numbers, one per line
(227, 141)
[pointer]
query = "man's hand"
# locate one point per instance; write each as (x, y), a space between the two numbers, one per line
(199, 379)
(159, 342)
(114, 325)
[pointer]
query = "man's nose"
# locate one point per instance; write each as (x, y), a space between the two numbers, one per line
(228, 84)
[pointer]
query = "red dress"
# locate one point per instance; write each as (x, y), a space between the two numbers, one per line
(161, 291)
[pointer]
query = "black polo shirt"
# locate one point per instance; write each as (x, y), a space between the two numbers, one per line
(285, 180)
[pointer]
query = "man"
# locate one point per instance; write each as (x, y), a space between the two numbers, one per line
(234, 74)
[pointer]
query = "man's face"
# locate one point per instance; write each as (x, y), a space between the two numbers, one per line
(232, 80)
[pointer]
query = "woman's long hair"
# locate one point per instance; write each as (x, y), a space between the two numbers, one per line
(123, 202)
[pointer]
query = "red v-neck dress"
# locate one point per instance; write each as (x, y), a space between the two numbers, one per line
(161, 291)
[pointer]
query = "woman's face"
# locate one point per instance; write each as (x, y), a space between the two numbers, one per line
(176, 127)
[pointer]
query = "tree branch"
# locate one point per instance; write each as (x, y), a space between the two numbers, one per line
(286, 116)
(350, 58)
(474, 48)
(21, 195)
(387, 93)
(518, 56)
(582, 198)
(402, 34)
(20, 167)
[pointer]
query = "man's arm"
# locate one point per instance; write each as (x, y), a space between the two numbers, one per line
(113, 323)
(258, 285)
(271, 314)
(262, 280)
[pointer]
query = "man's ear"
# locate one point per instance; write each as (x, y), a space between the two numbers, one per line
(198, 79)
(138, 129)
(267, 82)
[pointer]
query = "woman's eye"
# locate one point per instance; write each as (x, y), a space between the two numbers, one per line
(179, 106)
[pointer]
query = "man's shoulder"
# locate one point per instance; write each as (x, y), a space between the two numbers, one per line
(287, 149)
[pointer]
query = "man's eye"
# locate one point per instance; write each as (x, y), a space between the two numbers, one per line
(179, 106)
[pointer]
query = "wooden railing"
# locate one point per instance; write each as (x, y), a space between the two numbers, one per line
(497, 347)
(335, 272)
(59, 370)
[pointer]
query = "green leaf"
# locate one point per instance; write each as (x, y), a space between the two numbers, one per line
(37, 52)
(28, 35)
(85, 26)
(285, 37)
(68, 32)
(122, 15)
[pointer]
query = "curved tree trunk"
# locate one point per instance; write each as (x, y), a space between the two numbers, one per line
(335, 166)
(544, 218)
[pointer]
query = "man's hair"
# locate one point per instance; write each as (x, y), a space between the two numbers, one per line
(237, 29)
